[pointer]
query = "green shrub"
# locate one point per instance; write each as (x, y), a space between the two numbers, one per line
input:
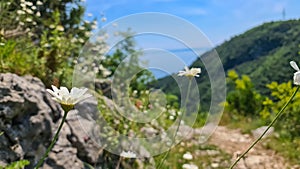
(243, 98)
(288, 126)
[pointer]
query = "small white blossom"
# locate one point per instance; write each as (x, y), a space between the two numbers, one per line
(38, 14)
(2, 44)
(64, 97)
(33, 7)
(73, 40)
(171, 117)
(94, 26)
(39, 3)
(188, 156)
(172, 112)
(30, 34)
(106, 73)
(87, 34)
(190, 72)
(28, 3)
(297, 74)
(60, 28)
(21, 23)
(29, 11)
(89, 14)
(189, 166)
(28, 20)
(81, 28)
(47, 45)
(52, 26)
(80, 40)
(20, 12)
(23, 5)
(128, 154)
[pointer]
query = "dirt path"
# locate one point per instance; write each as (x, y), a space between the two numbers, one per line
(233, 142)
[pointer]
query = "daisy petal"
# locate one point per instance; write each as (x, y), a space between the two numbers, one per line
(64, 91)
(294, 65)
(55, 89)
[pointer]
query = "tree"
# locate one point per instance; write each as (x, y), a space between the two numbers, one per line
(53, 31)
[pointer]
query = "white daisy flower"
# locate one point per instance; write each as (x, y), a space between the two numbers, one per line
(188, 156)
(297, 74)
(190, 72)
(66, 98)
(128, 154)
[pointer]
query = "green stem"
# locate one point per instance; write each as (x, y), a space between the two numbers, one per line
(52, 142)
(180, 119)
(259, 138)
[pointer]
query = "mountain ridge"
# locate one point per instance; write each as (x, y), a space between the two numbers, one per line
(263, 53)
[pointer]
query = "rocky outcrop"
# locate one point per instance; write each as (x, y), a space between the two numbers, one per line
(29, 119)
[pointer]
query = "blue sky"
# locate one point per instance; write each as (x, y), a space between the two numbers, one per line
(218, 19)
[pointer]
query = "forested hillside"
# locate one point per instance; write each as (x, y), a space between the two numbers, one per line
(263, 53)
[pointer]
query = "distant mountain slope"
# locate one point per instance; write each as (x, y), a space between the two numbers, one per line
(263, 53)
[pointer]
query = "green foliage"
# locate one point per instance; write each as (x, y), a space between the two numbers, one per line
(285, 147)
(17, 165)
(243, 99)
(43, 39)
(289, 123)
(25, 61)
